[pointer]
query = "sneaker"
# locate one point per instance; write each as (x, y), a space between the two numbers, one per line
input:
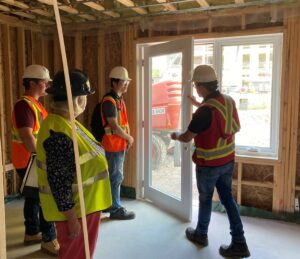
(234, 250)
(196, 238)
(51, 247)
(122, 214)
(32, 239)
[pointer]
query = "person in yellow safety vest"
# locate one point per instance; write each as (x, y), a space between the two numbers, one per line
(27, 116)
(213, 127)
(117, 138)
(56, 169)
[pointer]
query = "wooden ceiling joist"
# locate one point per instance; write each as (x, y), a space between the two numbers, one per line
(47, 22)
(95, 6)
(47, 2)
(130, 3)
(16, 3)
(26, 15)
(99, 7)
(4, 8)
(202, 3)
(42, 12)
(168, 6)
(68, 9)
(88, 17)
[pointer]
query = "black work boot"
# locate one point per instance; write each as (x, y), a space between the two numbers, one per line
(122, 214)
(196, 238)
(235, 250)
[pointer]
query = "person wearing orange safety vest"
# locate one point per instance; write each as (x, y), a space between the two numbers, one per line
(117, 138)
(27, 116)
(213, 127)
(56, 169)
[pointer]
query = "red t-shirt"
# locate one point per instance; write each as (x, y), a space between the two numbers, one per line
(24, 115)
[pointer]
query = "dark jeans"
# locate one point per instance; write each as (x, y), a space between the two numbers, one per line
(34, 219)
(220, 177)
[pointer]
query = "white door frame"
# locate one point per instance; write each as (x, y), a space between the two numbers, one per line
(182, 208)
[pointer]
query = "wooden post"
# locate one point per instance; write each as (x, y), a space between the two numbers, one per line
(33, 47)
(2, 121)
(57, 55)
(101, 64)
(45, 56)
(239, 183)
(21, 58)
(2, 209)
(74, 136)
(78, 50)
(8, 88)
(277, 189)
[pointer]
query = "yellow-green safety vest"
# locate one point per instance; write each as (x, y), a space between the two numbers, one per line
(94, 172)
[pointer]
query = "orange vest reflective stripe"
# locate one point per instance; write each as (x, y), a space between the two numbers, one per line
(111, 142)
(215, 146)
(20, 155)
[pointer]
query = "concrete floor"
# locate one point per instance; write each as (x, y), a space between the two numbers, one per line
(155, 234)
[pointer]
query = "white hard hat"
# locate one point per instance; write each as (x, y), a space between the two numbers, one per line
(119, 73)
(37, 72)
(204, 74)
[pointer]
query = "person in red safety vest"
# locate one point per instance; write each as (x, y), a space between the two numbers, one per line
(117, 138)
(27, 116)
(213, 127)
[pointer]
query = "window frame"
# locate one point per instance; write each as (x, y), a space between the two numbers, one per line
(276, 39)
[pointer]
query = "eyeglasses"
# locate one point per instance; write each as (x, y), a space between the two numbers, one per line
(125, 82)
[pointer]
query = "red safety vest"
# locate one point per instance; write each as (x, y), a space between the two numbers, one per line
(215, 146)
(111, 142)
(20, 155)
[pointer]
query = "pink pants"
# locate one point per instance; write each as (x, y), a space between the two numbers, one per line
(74, 248)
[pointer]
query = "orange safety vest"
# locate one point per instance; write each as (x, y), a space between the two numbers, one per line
(111, 142)
(20, 155)
(215, 146)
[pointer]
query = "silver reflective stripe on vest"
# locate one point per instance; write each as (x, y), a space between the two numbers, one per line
(87, 156)
(100, 176)
(82, 159)
(227, 113)
(215, 153)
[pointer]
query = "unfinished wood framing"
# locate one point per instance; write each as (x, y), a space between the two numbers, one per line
(7, 74)
(97, 50)
(2, 209)
(2, 120)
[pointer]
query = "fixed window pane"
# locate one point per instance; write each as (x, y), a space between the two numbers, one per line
(247, 78)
